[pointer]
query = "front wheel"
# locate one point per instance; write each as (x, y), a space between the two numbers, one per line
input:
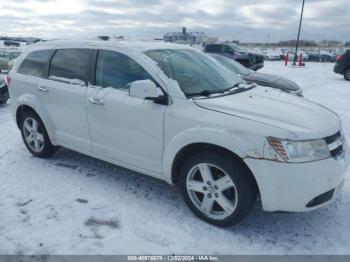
(35, 136)
(217, 189)
(347, 74)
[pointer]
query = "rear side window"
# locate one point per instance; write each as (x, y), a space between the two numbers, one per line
(213, 48)
(70, 64)
(117, 70)
(34, 64)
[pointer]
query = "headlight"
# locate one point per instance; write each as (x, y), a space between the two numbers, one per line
(300, 151)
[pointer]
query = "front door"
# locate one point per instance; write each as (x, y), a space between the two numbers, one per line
(124, 128)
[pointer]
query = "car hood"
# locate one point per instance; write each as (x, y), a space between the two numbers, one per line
(272, 81)
(306, 119)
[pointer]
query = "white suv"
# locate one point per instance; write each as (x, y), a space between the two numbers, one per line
(174, 113)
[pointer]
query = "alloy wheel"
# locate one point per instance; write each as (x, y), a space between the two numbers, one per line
(33, 134)
(212, 191)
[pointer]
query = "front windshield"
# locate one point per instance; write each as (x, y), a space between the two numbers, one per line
(195, 72)
(232, 65)
(236, 48)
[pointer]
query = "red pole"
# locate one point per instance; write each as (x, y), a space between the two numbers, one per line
(300, 59)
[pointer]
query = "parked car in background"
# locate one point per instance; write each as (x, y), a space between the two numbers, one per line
(291, 55)
(172, 112)
(251, 76)
(250, 60)
(6, 56)
(11, 43)
(4, 94)
(270, 55)
(321, 57)
(342, 65)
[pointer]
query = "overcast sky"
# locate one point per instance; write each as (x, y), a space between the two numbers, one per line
(245, 20)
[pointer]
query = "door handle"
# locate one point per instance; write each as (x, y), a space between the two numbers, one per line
(96, 101)
(43, 89)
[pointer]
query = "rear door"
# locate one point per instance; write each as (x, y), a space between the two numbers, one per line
(63, 94)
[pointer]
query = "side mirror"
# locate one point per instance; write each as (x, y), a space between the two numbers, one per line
(147, 90)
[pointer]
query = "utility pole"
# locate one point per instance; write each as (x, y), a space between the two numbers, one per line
(268, 40)
(297, 45)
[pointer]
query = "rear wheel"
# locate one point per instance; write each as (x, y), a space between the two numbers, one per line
(217, 189)
(35, 136)
(347, 74)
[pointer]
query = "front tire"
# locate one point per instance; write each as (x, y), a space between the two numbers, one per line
(217, 188)
(347, 74)
(35, 136)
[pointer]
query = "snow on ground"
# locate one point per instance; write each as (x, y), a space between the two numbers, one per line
(73, 204)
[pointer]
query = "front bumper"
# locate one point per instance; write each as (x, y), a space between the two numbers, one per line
(293, 187)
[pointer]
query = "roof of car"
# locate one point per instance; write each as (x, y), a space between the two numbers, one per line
(128, 44)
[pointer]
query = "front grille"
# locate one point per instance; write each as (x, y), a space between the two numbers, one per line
(337, 152)
(332, 138)
(335, 144)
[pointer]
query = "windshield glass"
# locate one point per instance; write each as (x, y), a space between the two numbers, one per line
(236, 48)
(232, 65)
(195, 72)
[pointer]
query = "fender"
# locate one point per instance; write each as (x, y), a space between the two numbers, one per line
(229, 140)
(33, 102)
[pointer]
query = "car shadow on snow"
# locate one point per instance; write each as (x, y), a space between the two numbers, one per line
(286, 229)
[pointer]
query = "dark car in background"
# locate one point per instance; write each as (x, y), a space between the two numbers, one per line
(317, 57)
(4, 93)
(250, 76)
(232, 51)
(342, 65)
(11, 43)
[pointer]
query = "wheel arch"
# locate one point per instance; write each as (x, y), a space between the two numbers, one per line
(30, 103)
(198, 147)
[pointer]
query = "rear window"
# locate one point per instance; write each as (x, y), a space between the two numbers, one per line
(70, 64)
(34, 64)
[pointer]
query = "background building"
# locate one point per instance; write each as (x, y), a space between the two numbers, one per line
(185, 37)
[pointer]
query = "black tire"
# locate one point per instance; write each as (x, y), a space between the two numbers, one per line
(244, 184)
(48, 149)
(347, 74)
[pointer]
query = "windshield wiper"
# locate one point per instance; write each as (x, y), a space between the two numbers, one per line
(205, 93)
(232, 87)
(236, 88)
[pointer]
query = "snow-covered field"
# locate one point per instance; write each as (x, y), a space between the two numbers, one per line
(73, 204)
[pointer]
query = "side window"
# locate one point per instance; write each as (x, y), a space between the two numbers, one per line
(70, 64)
(226, 49)
(117, 70)
(213, 48)
(34, 64)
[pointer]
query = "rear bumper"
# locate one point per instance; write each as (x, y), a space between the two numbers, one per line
(298, 187)
(339, 68)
